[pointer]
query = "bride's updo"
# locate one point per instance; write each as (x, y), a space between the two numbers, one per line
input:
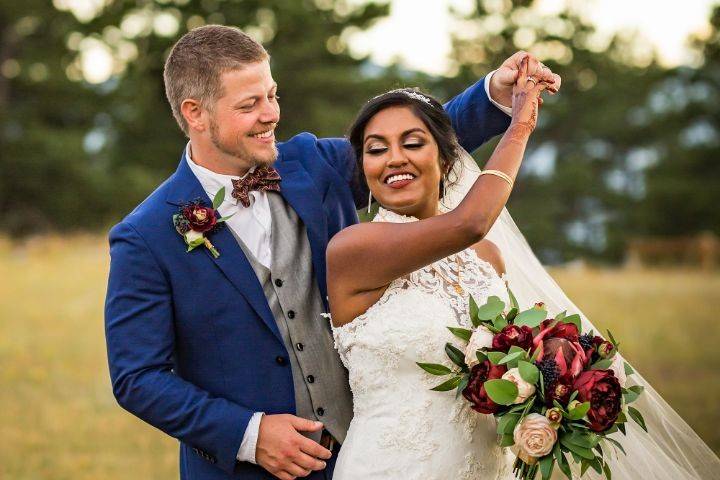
(426, 108)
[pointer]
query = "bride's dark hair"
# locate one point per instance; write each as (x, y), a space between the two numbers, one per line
(426, 108)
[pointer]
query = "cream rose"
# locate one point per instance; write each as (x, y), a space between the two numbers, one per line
(618, 368)
(481, 338)
(192, 235)
(534, 437)
(525, 389)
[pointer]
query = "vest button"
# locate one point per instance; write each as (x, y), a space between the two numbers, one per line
(291, 314)
(278, 282)
(280, 360)
(310, 379)
(300, 346)
(320, 411)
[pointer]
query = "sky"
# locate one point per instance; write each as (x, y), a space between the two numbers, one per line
(418, 31)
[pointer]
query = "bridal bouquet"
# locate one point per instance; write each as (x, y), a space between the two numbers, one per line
(553, 389)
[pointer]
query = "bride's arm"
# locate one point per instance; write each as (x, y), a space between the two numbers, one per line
(363, 259)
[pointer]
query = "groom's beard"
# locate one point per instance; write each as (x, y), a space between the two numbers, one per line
(237, 150)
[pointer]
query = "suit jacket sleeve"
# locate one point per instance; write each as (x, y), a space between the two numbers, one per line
(140, 345)
(474, 118)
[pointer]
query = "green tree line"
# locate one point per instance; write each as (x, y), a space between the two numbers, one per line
(628, 148)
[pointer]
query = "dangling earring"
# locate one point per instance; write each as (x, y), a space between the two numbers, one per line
(369, 200)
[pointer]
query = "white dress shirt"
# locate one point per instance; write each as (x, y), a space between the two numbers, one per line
(252, 225)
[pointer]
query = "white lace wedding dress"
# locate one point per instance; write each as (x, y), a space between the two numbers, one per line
(401, 429)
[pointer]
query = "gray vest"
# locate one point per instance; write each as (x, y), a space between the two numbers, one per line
(321, 384)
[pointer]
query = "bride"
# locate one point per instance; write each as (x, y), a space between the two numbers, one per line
(396, 284)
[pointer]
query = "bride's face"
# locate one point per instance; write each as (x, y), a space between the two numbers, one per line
(401, 162)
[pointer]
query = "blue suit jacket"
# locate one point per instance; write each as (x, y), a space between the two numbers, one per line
(192, 345)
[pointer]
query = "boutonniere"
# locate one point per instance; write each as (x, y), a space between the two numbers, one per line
(194, 222)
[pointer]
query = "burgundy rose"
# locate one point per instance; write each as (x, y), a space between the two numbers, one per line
(201, 218)
(513, 335)
(566, 330)
(602, 389)
(475, 391)
(559, 390)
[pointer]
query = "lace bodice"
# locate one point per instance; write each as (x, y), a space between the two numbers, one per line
(406, 429)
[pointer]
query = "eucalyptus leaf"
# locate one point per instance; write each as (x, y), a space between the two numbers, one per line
(577, 449)
(474, 312)
(499, 322)
(480, 356)
(596, 465)
(495, 357)
(463, 383)
(580, 411)
(532, 318)
(546, 466)
(225, 218)
(511, 315)
(562, 461)
(608, 472)
(502, 392)
(219, 197)
(628, 369)
(507, 441)
(507, 423)
(561, 315)
(491, 310)
(461, 333)
(617, 444)
(457, 357)
(447, 385)
(435, 368)
(513, 300)
(637, 417)
(528, 372)
(601, 364)
(510, 357)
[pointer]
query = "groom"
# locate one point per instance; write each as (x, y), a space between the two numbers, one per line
(225, 348)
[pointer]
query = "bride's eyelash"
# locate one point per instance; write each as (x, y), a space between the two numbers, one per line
(376, 150)
(414, 145)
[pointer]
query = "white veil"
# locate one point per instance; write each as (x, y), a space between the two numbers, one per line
(671, 450)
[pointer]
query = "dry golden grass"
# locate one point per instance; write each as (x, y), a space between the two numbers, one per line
(58, 418)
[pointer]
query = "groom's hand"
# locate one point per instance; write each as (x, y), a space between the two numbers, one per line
(284, 452)
(502, 82)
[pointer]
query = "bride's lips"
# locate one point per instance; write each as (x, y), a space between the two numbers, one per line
(399, 180)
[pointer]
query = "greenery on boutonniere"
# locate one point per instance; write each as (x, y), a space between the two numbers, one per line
(194, 221)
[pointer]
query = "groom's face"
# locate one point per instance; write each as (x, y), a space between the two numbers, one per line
(243, 121)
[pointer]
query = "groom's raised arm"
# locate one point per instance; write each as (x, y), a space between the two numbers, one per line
(140, 343)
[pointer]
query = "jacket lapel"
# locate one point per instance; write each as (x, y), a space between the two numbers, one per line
(232, 261)
(300, 192)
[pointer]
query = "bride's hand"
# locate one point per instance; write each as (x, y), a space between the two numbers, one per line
(526, 98)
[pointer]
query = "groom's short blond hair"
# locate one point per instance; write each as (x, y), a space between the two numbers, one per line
(197, 61)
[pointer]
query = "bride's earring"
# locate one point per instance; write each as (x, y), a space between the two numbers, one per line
(369, 201)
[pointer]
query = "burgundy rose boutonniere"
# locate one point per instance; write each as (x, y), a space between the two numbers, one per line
(194, 222)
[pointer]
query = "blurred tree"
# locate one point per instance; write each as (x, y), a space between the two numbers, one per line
(683, 180)
(577, 187)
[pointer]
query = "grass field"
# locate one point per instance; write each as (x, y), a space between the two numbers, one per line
(58, 419)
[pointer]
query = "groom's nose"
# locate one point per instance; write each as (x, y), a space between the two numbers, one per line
(269, 113)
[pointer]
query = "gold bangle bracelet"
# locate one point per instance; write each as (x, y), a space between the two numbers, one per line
(500, 174)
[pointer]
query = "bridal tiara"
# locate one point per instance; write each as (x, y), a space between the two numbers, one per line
(410, 93)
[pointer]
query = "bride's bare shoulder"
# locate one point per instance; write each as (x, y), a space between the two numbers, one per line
(490, 252)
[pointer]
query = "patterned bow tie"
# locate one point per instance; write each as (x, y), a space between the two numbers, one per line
(262, 179)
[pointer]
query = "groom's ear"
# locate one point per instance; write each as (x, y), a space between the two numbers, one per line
(192, 111)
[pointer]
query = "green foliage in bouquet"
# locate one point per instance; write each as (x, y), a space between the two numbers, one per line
(558, 395)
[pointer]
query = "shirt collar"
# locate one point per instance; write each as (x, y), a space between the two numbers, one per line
(211, 181)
